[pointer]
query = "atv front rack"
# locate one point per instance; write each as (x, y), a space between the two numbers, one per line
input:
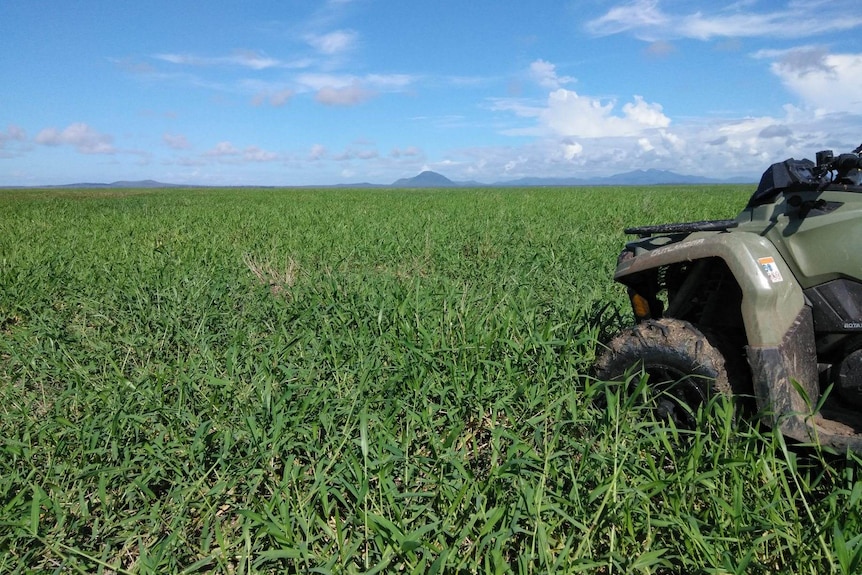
(683, 228)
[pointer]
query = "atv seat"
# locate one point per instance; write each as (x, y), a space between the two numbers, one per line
(683, 228)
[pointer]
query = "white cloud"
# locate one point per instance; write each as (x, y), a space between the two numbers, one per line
(242, 58)
(332, 43)
(226, 152)
(281, 97)
(408, 152)
(317, 152)
(794, 19)
(569, 114)
(255, 154)
(13, 134)
(545, 74)
(253, 60)
(350, 95)
(565, 113)
(223, 149)
(824, 82)
(276, 98)
(85, 139)
(571, 150)
(582, 135)
(637, 15)
(389, 81)
(377, 82)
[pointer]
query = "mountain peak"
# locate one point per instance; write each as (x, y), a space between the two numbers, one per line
(425, 179)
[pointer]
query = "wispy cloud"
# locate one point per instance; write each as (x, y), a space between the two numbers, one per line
(228, 153)
(332, 43)
(647, 20)
(12, 135)
(242, 58)
(350, 95)
(350, 90)
(276, 97)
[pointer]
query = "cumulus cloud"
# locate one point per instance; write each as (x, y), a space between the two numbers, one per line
(82, 137)
(578, 134)
(570, 150)
(567, 113)
(545, 74)
(824, 82)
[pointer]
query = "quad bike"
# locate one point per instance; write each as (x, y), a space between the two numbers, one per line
(767, 305)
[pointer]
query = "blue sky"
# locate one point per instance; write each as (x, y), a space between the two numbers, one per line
(293, 92)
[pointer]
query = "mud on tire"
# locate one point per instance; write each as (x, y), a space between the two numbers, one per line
(684, 365)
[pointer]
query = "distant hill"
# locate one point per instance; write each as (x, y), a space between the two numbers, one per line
(429, 179)
(426, 179)
(123, 184)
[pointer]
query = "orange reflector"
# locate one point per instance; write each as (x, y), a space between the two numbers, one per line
(640, 306)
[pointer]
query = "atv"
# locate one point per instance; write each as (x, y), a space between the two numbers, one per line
(766, 306)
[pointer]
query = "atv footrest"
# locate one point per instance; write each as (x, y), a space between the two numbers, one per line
(683, 228)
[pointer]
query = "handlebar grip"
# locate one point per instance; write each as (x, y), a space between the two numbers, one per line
(846, 162)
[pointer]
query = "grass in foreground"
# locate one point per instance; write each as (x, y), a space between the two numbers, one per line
(353, 381)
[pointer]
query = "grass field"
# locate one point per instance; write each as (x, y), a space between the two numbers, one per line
(348, 381)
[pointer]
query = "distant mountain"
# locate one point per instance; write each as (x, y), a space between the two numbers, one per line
(429, 179)
(123, 184)
(426, 179)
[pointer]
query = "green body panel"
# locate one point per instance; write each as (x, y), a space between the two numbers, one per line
(771, 296)
(819, 247)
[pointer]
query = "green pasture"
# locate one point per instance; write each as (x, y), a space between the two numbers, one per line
(353, 381)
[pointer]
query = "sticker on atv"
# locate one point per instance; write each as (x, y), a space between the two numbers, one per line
(770, 269)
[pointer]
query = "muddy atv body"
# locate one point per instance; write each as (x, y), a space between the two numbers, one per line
(767, 305)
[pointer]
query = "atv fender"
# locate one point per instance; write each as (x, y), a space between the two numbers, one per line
(778, 325)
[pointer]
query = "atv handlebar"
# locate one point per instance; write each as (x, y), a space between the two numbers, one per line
(846, 162)
(843, 164)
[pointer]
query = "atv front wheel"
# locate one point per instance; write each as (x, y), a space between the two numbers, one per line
(684, 367)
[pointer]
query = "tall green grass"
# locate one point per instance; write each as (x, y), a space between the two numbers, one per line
(351, 381)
